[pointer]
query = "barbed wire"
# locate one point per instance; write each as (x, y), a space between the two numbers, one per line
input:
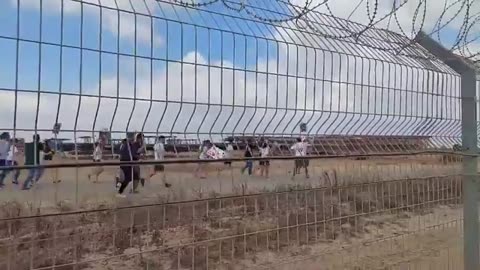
(455, 23)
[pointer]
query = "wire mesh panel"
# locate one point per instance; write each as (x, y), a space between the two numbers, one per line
(373, 105)
(196, 72)
(378, 224)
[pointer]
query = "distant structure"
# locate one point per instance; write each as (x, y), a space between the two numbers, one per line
(86, 139)
(340, 144)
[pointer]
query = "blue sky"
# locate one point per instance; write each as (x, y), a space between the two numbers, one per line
(51, 74)
(184, 83)
(169, 47)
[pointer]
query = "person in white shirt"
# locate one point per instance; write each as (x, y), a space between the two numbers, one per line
(228, 154)
(300, 150)
(97, 152)
(97, 157)
(264, 164)
(4, 151)
(201, 170)
(11, 161)
(204, 149)
(159, 154)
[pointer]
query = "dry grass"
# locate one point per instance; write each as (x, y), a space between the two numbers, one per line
(219, 232)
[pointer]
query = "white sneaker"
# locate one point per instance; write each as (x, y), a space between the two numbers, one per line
(121, 195)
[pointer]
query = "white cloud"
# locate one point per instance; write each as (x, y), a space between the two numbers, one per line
(333, 103)
(128, 20)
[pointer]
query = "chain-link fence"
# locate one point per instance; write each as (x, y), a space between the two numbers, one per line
(335, 150)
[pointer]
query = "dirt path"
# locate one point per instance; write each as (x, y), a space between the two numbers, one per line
(76, 191)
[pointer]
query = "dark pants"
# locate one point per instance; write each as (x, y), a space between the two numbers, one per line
(249, 166)
(129, 174)
(159, 168)
(16, 172)
(3, 172)
(34, 174)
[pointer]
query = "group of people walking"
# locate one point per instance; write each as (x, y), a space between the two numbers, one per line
(299, 149)
(35, 153)
(209, 151)
(134, 149)
(130, 150)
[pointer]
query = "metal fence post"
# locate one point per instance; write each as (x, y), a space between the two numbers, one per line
(470, 187)
(469, 146)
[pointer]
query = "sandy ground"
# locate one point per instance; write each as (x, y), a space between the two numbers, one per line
(419, 242)
(76, 190)
(410, 242)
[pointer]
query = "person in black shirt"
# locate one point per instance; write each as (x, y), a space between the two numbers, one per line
(47, 151)
(120, 177)
(32, 157)
(131, 151)
(127, 153)
(48, 154)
